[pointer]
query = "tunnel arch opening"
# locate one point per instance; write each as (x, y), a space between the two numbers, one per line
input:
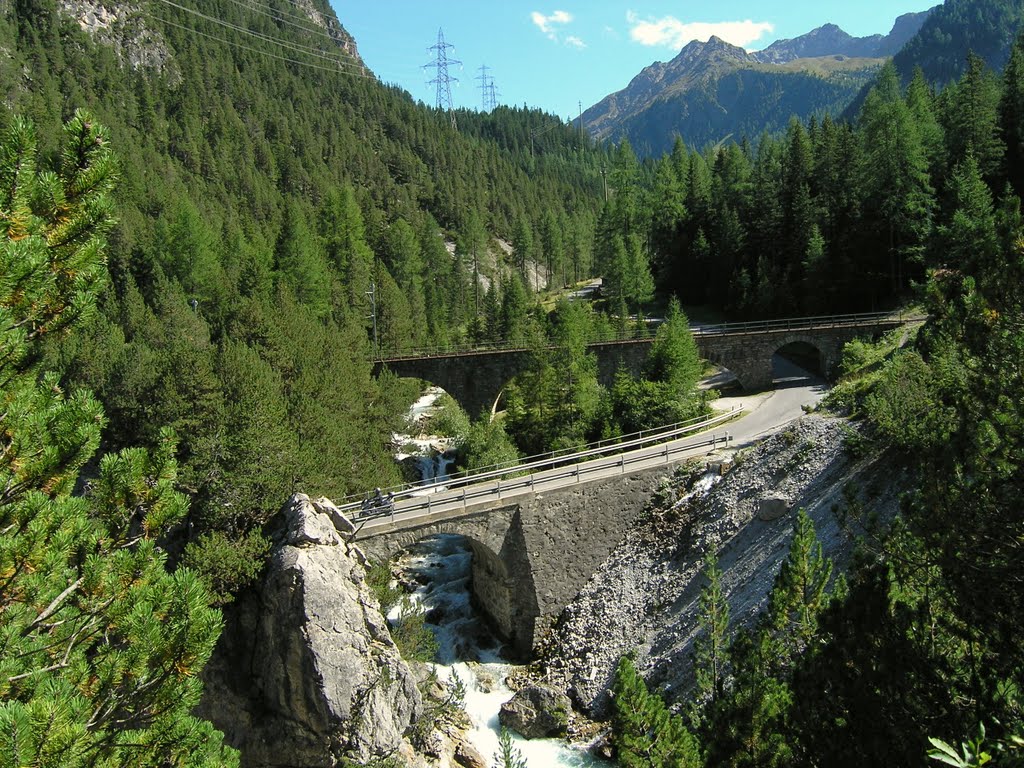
(796, 362)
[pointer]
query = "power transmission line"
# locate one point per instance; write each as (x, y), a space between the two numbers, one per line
(308, 26)
(287, 45)
(443, 80)
(337, 70)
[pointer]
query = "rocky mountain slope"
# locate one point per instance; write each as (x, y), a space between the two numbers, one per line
(830, 40)
(712, 89)
(644, 598)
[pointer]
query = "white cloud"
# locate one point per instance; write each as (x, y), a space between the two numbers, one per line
(575, 42)
(545, 23)
(673, 33)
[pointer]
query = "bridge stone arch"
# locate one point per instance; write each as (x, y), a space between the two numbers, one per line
(531, 557)
(828, 348)
(476, 379)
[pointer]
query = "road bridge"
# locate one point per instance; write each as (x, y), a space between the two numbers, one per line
(538, 531)
(476, 377)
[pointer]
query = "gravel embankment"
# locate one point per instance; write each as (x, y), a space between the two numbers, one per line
(645, 596)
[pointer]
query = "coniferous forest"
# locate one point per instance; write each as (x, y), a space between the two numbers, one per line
(197, 234)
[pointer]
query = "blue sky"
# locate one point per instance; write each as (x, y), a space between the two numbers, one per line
(555, 54)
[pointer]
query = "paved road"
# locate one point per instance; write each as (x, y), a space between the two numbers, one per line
(767, 412)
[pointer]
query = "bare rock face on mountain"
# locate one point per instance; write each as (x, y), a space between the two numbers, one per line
(306, 671)
(714, 91)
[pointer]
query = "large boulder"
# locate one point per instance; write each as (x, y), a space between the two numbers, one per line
(536, 712)
(306, 671)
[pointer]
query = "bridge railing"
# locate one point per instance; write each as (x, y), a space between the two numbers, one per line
(499, 490)
(820, 322)
(554, 459)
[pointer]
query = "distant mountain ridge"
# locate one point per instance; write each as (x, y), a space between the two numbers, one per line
(713, 89)
(830, 40)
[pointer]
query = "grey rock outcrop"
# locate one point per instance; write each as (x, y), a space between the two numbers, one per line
(306, 671)
(122, 25)
(536, 712)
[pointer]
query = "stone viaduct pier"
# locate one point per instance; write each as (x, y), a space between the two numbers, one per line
(475, 378)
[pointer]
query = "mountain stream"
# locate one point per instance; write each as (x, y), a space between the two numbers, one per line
(440, 567)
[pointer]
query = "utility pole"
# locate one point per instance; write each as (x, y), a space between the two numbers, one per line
(372, 293)
(443, 80)
(489, 98)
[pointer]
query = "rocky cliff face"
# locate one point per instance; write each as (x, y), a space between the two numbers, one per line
(306, 671)
(123, 27)
(645, 596)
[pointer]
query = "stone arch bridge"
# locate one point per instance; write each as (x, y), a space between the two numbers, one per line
(476, 377)
(533, 553)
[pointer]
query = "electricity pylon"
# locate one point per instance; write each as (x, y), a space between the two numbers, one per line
(490, 98)
(443, 80)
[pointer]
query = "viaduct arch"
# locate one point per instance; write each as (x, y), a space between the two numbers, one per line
(476, 378)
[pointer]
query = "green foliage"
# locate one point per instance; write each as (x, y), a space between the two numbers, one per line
(710, 646)
(799, 595)
(100, 646)
(486, 445)
(383, 586)
(674, 358)
(645, 732)
(449, 420)
(903, 404)
(261, 202)
(507, 755)
(225, 562)
(415, 640)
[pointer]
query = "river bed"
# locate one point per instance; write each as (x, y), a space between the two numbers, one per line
(440, 566)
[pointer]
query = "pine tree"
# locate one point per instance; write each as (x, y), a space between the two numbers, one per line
(674, 358)
(1011, 116)
(895, 179)
(972, 118)
(799, 595)
(100, 647)
(507, 755)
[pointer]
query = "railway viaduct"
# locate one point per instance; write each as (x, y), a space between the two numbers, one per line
(475, 378)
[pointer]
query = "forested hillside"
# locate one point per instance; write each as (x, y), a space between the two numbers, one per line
(267, 181)
(831, 217)
(958, 27)
(913, 658)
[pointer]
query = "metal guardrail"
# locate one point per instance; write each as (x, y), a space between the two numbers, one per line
(822, 322)
(610, 444)
(497, 491)
(400, 500)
